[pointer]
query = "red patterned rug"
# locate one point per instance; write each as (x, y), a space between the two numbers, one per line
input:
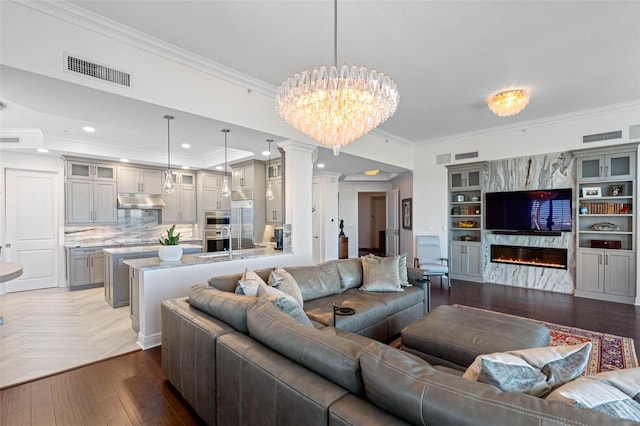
(608, 351)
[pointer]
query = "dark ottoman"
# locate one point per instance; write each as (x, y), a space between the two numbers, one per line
(454, 337)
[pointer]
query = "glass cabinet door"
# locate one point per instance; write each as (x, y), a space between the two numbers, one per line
(620, 165)
(590, 168)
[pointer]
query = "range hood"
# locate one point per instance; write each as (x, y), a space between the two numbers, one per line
(140, 201)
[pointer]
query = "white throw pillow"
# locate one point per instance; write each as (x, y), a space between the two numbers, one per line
(380, 274)
(534, 371)
(402, 268)
(282, 280)
(249, 282)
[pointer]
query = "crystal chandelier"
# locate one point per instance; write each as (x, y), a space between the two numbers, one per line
(169, 184)
(226, 189)
(336, 107)
(269, 194)
(509, 102)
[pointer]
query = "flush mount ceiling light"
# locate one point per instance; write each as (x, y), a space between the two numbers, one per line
(336, 107)
(226, 189)
(185, 146)
(509, 102)
(169, 185)
(89, 129)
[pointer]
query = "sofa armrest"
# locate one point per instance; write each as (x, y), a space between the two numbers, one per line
(416, 278)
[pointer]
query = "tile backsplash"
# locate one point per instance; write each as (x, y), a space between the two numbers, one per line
(132, 226)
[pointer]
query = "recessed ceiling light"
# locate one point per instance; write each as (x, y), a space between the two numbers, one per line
(320, 165)
(42, 150)
(185, 167)
(124, 160)
(266, 153)
(186, 145)
(89, 129)
(219, 167)
(371, 172)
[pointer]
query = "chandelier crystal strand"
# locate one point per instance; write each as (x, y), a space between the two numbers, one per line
(169, 185)
(336, 107)
(509, 102)
(226, 189)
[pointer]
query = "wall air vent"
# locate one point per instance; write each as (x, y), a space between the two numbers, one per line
(599, 137)
(466, 155)
(443, 158)
(101, 72)
(9, 139)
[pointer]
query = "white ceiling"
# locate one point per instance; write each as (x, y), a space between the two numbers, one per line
(445, 56)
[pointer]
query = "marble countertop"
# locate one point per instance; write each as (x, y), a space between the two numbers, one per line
(203, 258)
(144, 249)
(9, 271)
(121, 242)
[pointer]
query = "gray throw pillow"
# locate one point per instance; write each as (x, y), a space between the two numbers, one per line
(248, 284)
(380, 274)
(534, 371)
(282, 280)
(615, 393)
(285, 303)
(402, 268)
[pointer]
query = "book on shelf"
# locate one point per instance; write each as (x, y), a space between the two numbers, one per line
(605, 208)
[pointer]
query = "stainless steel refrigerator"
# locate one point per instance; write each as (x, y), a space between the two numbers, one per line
(242, 228)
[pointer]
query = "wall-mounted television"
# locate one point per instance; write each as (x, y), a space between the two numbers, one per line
(539, 212)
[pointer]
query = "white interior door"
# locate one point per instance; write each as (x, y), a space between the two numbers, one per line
(31, 224)
(393, 222)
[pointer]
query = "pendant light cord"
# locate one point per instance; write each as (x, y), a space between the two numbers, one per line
(225, 131)
(169, 118)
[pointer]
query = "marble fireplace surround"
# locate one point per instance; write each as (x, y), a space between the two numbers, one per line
(555, 170)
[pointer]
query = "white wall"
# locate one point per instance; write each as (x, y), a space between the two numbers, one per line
(405, 188)
(37, 162)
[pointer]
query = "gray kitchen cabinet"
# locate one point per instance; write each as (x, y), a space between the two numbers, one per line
(243, 176)
(137, 180)
(90, 171)
(85, 268)
(90, 201)
(274, 207)
(180, 205)
(212, 198)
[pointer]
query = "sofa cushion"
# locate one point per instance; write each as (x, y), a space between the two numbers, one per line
(228, 307)
(615, 393)
(249, 283)
(283, 280)
(327, 354)
(316, 281)
(350, 272)
(402, 268)
(285, 303)
(534, 371)
(395, 301)
(230, 282)
(380, 274)
(368, 311)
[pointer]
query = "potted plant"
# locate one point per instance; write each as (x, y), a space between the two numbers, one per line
(170, 250)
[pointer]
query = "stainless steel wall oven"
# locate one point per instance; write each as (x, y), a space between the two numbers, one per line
(215, 237)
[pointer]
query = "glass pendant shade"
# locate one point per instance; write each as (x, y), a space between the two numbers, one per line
(169, 184)
(270, 195)
(226, 189)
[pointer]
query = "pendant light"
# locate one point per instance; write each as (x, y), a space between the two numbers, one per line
(169, 184)
(226, 189)
(269, 194)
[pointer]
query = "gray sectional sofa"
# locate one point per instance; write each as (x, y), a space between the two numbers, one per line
(240, 360)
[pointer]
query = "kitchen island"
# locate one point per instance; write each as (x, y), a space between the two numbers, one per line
(152, 281)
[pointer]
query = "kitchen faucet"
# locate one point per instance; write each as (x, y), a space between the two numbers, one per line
(227, 228)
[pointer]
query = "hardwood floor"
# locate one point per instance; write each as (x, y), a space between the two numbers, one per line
(131, 389)
(55, 329)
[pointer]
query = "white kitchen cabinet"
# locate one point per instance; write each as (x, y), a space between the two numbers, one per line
(91, 201)
(90, 171)
(180, 206)
(85, 268)
(135, 180)
(274, 207)
(465, 260)
(212, 198)
(243, 176)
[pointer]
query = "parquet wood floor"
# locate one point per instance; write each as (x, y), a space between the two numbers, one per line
(50, 330)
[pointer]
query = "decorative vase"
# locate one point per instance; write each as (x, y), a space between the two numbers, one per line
(170, 253)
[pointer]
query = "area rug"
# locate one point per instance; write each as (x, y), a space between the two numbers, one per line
(608, 351)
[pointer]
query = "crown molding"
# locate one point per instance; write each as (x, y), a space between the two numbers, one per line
(99, 24)
(572, 116)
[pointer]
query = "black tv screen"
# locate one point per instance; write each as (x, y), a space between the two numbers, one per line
(540, 211)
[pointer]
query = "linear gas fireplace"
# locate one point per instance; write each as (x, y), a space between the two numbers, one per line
(544, 257)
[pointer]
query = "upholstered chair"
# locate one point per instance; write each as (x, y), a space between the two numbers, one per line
(428, 257)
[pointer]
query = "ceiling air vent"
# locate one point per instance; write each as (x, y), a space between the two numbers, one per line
(98, 71)
(599, 137)
(466, 155)
(10, 139)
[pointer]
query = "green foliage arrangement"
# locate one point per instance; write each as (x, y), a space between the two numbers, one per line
(170, 239)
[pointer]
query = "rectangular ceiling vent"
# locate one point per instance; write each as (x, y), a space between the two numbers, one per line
(599, 137)
(443, 158)
(9, 139)
(101, 72)
(466, 155)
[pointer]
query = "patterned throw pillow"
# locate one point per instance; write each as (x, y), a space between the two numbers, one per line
(249, 282)
(380, 274)
(282, 280)
(534, 371)
(616, 393)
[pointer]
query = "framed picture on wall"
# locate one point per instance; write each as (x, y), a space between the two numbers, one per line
(406, 213)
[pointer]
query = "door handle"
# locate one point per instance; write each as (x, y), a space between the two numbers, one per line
(599, 259)
(606, 259)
